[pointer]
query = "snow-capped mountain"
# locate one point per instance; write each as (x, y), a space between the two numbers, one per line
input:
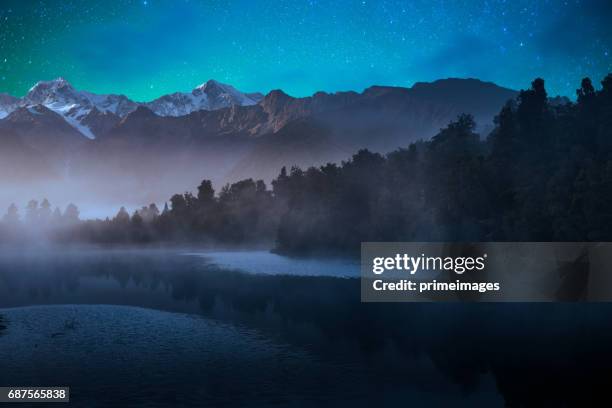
(74, 106)
(88, 112)
(211, 95)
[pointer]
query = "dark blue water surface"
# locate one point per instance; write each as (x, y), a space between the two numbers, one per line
(184, 328)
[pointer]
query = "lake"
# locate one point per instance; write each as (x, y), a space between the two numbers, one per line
(250, 328)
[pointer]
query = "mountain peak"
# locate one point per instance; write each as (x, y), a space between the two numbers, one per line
(457, 84)
(141, 112)
(60, 81)
(211, 95)
(215, 88)
(277, 93)
(275, 97)
(211, 82)
(56, 83)
(55, 91)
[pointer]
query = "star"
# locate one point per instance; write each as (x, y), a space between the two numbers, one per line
(269, 45)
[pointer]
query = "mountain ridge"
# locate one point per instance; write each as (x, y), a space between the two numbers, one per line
(143, 156)
(78, 107)
(87, 112)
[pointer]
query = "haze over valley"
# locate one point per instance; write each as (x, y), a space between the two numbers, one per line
(104, 151)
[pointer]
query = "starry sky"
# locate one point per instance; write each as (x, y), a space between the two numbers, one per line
(147, 48)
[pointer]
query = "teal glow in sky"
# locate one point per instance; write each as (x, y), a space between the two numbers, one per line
(147, 48)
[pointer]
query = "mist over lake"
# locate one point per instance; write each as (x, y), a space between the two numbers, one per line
(182, 327)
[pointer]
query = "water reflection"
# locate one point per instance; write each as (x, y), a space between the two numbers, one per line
(267, 263)
(529, 354)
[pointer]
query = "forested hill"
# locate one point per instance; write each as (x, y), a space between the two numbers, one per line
(543, 174)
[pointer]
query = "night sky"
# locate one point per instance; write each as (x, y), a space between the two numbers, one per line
(146, 48)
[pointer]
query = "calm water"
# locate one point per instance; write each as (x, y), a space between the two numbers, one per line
(267, 263)
(178, 328)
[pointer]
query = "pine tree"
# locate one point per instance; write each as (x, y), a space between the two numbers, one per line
(12, 215)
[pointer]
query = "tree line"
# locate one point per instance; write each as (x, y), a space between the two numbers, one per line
(544, 173)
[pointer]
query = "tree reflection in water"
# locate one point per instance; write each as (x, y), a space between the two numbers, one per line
(538, 354)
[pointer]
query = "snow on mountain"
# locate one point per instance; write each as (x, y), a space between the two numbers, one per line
(211, 95)
(74, 106)
(60, 96)
(74, 114)
(119, 105)
(81, 108)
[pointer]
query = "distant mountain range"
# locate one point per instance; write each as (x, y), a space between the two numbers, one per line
(109, 144)
(82, 109)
